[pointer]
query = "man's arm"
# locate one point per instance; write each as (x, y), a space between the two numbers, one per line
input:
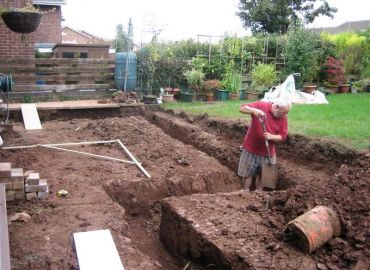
(282, 134)
(253, 111)
(272, 137)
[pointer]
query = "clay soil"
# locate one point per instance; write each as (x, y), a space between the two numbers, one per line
(184, 155)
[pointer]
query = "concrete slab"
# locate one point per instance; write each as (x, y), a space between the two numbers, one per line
(43, 194)
(31, 118)
(31, 196)
(96, 250)
(4, 235)
(33, 179)
(41, 187)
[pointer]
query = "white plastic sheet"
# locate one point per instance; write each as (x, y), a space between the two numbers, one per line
(287, 90)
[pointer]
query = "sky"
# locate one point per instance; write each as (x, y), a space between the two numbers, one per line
(181, 19)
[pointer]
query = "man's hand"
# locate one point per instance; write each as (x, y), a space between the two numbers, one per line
(271, 137)
(258, 113)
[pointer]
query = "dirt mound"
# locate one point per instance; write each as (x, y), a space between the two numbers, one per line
(348, 193)
(298, 147)
(228, 231)
(121, 97)
(236, 231)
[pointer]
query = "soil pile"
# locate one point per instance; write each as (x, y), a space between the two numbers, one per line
(348, 193)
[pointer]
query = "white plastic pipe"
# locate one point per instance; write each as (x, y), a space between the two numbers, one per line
(133, 158)
(57, 144)
(80, 143)
(19, 147)
(87, 154)
(54, 146)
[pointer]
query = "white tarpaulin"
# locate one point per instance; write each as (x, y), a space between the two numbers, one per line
(287, 90)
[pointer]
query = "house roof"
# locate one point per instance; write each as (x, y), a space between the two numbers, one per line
(83, 33)
(66, 45)
(49, 2)
(90, 35)
(344, 27)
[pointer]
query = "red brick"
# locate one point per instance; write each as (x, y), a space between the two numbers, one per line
(19, 196)
(5, 169)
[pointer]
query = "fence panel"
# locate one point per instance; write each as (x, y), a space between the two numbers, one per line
(59, 74)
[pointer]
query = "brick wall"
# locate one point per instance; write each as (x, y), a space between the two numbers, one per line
(14, 45)
(49, 30)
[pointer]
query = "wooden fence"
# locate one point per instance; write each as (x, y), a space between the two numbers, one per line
(59, 74)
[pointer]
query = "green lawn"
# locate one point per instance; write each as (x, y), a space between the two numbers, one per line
(346, 119)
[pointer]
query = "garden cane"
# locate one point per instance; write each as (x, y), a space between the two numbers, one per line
(269, 171)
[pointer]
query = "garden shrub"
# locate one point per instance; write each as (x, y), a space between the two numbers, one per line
(301, 54)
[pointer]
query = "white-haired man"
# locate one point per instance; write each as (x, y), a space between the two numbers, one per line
(254, 153)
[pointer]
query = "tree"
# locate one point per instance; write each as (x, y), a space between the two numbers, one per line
(120, 43)
(301, 54)
(275, 16)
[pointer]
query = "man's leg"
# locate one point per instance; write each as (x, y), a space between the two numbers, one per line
(246, 183)
(259, 186)
(247, 167)
(253, 184)
(249, 183)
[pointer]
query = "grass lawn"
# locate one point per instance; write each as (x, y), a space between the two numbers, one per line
(346, 119)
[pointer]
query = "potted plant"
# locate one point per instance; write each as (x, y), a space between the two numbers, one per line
(344, 88)
(21, 20)
(195, 80)
(334, 73)
(263, 77)
(310, 75)
(210, 87)
(232, 82)
(167, 95)
(362, 85)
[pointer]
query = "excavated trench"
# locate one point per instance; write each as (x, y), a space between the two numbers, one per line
(192, 201)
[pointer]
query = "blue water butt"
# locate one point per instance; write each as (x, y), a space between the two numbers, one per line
(120, 71)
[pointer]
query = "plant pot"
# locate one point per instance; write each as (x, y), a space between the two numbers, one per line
(242, 94)
(187, 97)
(209, 96)
(199, 97)
(149, 99)
(314, 228)
(22, 22)
(344, 88)
(252, 95)
(234, 96)
(223, 94)
(167, 98)
(309, 88)
(367, 88)
(333, 89)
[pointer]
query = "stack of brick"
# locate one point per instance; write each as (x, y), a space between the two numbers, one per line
(35, 187)
(19, 188)
(13, 180)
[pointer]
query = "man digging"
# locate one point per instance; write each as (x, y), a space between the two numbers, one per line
(254, 151)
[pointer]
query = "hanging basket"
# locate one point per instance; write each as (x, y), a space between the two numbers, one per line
(21, 22)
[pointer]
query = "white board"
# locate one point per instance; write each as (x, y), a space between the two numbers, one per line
(31, 118)
(96, 251)
(4, 237)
